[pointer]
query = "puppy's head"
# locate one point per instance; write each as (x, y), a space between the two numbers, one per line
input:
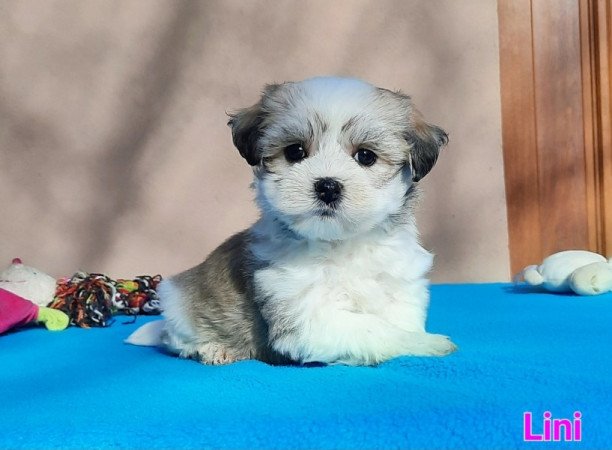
(334, 157)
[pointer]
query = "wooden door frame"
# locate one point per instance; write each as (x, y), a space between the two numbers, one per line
(596, 36)
(556, 130)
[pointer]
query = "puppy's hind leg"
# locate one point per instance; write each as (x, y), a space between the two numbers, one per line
(217, 354)
(205, 352)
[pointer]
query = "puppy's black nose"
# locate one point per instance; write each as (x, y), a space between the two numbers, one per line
(328, 190)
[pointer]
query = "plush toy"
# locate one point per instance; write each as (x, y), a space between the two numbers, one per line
(88, 300)
(28, 282)
(578, 271)
(24, 294)
(16, 311)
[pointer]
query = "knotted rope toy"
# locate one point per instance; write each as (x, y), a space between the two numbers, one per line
(91, 300)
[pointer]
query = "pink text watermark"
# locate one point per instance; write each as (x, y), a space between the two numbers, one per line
(552, 429)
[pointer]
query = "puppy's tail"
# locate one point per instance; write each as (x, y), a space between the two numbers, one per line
(149, 334)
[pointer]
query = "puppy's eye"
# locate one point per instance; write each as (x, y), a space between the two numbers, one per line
(365, 157)
(295, 152)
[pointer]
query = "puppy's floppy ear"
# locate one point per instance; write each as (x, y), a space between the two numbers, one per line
(425, 140)
(247, 126)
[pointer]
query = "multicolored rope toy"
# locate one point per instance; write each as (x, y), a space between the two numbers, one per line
(91, 300)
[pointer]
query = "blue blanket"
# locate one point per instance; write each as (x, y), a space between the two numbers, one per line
(519, 351)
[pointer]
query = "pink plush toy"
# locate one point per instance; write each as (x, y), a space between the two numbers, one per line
(16, 311)
(28, 282)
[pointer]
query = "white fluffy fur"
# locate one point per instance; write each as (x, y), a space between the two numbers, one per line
(349, 302)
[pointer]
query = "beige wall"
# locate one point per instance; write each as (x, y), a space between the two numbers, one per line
(115, 156)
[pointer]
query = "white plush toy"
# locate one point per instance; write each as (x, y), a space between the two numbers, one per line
(28, 282)
(579, 271)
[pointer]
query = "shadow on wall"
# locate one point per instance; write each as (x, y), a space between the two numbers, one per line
(101, 97)
(34, 143)
(119, 183)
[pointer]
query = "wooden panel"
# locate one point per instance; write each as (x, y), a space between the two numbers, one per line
(605, 154)
(557, 125)
(604, 57)
(560, 139)
(596, 47)
(590, 114)
(519, 132)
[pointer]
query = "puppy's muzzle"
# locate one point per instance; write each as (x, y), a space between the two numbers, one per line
(328, 190)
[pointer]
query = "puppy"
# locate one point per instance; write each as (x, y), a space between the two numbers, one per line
(333, 271)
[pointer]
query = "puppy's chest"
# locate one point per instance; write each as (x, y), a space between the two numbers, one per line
(306, 281)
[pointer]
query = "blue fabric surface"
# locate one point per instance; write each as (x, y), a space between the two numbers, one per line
(520, 350)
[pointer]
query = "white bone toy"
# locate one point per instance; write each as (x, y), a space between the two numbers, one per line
(579, 271)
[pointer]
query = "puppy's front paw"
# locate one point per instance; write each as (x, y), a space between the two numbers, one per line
(432, 345)
(441, 345)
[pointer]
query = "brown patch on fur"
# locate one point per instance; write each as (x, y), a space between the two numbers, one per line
(220, 298)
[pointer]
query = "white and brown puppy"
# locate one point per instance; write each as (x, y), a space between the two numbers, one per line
(333, 271)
